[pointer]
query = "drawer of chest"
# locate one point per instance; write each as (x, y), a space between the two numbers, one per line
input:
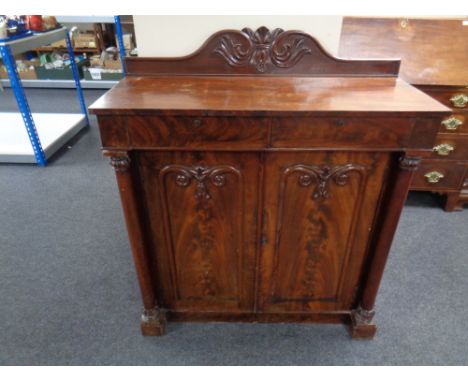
(457, 99)
(197, 132)
(438, 175)
(386, 133)
(450, 146)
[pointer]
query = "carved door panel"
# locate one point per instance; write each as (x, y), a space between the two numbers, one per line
(316, 226)
(202, 227)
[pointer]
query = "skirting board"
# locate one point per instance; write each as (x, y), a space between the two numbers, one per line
(54, 131)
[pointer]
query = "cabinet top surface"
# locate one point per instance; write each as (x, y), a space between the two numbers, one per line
(258, 96)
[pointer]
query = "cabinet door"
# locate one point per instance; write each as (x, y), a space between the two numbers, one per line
(318, 218)
(202, 216)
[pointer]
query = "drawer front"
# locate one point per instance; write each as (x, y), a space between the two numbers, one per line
(457, 123)
(194, 132)
(450, 146)
(345, 132)
(439, 175)
(457, 99)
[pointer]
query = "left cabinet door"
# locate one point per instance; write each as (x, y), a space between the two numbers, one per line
(202, 215)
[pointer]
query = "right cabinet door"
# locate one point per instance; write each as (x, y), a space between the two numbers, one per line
(319, 212)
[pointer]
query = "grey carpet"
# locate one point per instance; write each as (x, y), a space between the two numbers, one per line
(69, 295)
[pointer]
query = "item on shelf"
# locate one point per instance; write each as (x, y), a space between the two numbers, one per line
(49, 22)
(3, 28)
(58, 44)
(83, 40)
(25, 69)
(35, 23)
(102, 74)
(106, 67)
(127, 41)
(60, 69)
(16, 26)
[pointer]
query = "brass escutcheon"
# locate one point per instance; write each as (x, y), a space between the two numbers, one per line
(434, 176)
(443, 149)
(452, 123)
(459, 100)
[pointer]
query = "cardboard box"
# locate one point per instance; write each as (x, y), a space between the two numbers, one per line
(26, 74)
(112, 64)
(85, 40)
(59, 44)
(3, 72)
(127, 41)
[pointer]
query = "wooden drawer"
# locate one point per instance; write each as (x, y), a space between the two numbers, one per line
(386, 133)
(450, 146)
(198, 132)
(457, 123)
(447, 97)
(452, 175)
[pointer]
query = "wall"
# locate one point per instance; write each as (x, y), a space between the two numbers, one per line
(166, 36)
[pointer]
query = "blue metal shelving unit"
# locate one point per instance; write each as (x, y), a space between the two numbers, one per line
(84, 83)
(10, 48)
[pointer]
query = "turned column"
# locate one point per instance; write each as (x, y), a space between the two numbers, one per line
(153, 320)
(362, 325)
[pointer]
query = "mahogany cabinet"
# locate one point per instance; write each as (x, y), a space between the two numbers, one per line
(434, 55)
(262, 179)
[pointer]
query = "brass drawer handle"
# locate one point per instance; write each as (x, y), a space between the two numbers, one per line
(197, 122)
(434, 176)
(452, 123)
(459, 100)
(444, 149)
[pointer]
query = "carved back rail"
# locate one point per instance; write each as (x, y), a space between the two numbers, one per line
(261, 52)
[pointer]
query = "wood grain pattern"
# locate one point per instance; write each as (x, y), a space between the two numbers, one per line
(332, 197)
(432, 51)
(204, 203)
(198, 132)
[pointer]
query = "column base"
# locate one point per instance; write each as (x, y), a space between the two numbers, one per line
(362, 327)
(455, 201)
(153, 322)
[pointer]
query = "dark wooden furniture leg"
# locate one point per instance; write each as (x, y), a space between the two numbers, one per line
(153, 319)
(362, 325)
(453, 202)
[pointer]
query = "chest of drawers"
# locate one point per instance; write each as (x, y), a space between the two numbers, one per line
(434, 57)
(263, 182)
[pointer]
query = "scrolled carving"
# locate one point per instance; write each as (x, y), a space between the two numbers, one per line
(322, 176)
(202, 176)
(120, 163)
(409, 163)
(262, 48)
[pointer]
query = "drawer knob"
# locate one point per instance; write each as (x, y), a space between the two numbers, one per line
(459, 100)
(434, 176)
(443, 149)
(452, 123)
(197, 122)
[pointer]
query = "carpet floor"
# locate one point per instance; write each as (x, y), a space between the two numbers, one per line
(69, 294)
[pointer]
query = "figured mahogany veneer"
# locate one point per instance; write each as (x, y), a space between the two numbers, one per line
(262, 179)
(434, 57)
